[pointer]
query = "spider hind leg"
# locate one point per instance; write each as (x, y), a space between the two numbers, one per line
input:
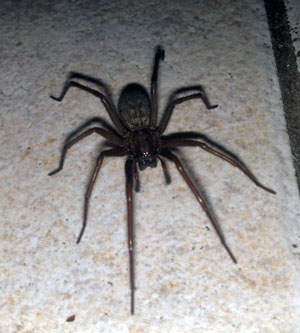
(129, 172)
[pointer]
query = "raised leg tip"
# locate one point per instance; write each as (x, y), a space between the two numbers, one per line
(161, 52)
(53, 172)
(55, 98)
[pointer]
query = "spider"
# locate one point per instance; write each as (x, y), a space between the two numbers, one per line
(138, 136)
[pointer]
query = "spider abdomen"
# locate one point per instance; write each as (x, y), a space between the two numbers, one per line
(134, 107)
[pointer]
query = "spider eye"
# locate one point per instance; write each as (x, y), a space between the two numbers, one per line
(147, 160)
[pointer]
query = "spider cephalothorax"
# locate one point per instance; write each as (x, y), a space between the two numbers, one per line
(138, 137)
(143, 145)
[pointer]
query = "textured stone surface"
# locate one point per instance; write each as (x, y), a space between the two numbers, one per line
(185, 280)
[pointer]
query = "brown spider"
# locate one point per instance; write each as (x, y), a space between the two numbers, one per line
(139, 137)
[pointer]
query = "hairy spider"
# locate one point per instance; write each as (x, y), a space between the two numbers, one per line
(138, 136)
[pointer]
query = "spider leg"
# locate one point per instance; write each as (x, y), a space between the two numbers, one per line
(165, 170)
(106, 134)
(110, 152)
(170, 107)
(159, 55)
(90, 79)
(200, 199)
(136, 176)
(192, 143)
(198, 88)
(106, 102)
(129, 167)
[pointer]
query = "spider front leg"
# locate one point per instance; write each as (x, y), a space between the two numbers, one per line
(200, 199)
(165, 170)
(159, 55)
(136, 176)
(106, 102)
(129, 169)
(170, 107)
(172, 143)
(110, 152)
(106, 134)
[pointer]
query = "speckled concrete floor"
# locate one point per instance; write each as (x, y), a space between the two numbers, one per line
(185, 280)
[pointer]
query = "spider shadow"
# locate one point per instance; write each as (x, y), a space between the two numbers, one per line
(98, 82)
(197, 135)
(185, 89)
(88, 123)
(193, 88)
